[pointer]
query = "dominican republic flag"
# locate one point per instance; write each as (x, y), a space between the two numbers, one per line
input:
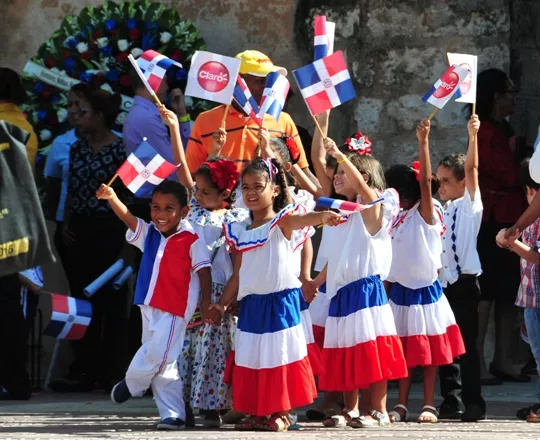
(154, 66)
(243, 97)
(344, 205)
(323, 32)
(325, 84)
(446, 86)
(144, 169)
(274, 95)
(70, 317)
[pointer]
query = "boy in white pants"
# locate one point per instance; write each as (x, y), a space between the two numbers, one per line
(167, 292)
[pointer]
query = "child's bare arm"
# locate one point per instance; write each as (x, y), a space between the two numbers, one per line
(471, 163)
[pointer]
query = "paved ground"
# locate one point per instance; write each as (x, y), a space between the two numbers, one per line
(93, 416)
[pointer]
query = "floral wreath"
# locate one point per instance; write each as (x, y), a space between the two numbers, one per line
(224, 173)
(94, 48)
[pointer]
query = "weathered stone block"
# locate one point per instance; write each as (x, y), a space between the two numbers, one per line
(367, 114)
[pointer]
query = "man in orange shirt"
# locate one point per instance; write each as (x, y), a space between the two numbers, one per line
(241, 134)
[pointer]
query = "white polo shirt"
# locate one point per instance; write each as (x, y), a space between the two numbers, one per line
(462, 218)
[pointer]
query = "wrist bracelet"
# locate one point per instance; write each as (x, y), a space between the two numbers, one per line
(185, 118)
(342, 160)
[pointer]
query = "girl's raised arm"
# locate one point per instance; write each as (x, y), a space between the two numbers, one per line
(318, 153)
(424, 177)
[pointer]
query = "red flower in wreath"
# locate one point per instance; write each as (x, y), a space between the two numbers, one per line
(177, 55)
(122, 57)
(134, 34)
(125, 80)
(359, 144)
(224, 174)
(50, 62)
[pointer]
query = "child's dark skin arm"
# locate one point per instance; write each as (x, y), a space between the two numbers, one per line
(471, 163)
(205, 281)
(308, 289)
(231, 288)
(320, 279)
(426, 199)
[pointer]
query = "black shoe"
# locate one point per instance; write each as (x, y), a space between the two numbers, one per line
(171, 424)
(491, 381)
(448, 412)
(120, 392)
(71, 386)
(20, 395)
(473, 413)
(524, 412)
(190, 417)
(530, 368)
(505, 377)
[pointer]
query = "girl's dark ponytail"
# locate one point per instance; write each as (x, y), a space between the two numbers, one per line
(283, 198)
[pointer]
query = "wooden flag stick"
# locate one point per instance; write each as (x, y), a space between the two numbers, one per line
(113, 179)
(433, 113)
(318, 127)
(224, 120)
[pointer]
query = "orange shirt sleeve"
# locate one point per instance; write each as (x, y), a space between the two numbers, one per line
(196, 152)
(292, 131)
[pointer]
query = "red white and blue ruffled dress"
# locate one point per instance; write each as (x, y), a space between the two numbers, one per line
(361, 344)
(424, 320)
(269, 369)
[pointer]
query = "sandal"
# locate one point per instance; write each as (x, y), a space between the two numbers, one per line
(274, 424)
(376, 420)
(429, 414)
(533, 417)
(247, 423)
(396, 416)
(341, 419)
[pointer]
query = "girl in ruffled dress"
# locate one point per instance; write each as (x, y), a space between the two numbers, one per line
(361, 347)
(424, 320)
(270, 370)
(207, 346)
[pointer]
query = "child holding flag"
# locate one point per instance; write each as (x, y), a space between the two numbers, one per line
(207, 349)
(424, 320)
(271, 373)
(361, 346)
(175, 267)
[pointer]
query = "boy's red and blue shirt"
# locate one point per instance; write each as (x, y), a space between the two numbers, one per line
(167, 275)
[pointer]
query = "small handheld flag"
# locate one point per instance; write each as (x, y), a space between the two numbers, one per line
(243, 97)
(325, 84)
(468, 86)
(446, 86)
(143, 170)
(154, 66)
(345, 206)
(70, 317)
(274, 95)
(324, 37)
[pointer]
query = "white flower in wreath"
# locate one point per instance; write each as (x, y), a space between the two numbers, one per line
(107, 88)
(55, 70)
(45, 135)
(82, 47)
(102, 42)
(62, 114)
(165, 37)
(121, 118)
(136, 52)
(123, 45)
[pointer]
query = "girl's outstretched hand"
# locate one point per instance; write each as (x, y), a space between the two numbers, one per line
(105, 192)
(330, 218)
(473, 125)
(422, 130)
(331, 148)
(217, 307)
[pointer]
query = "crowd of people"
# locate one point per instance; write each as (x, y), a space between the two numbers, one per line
(229, 312)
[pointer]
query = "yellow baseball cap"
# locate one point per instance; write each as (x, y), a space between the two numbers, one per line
(257, 64)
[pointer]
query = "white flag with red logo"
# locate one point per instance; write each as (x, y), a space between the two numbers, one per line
(468, 86)
(446, 86)
(212, 77)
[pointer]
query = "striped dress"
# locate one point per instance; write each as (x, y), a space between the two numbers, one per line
(269, 369)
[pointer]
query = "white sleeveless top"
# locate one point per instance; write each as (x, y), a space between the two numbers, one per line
(354, 254)
(416, 247)
(266, 254)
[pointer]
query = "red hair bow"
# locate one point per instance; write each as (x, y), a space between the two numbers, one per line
(359, 144)
(294, 151)
(224, 174)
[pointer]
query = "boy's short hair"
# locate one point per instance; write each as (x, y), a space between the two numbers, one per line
(456, 163)
(525, 175)
(175, 189)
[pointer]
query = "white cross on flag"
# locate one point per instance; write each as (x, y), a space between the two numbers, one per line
(326, 83)
(143, 170)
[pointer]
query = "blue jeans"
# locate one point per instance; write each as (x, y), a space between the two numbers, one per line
(532, 322)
